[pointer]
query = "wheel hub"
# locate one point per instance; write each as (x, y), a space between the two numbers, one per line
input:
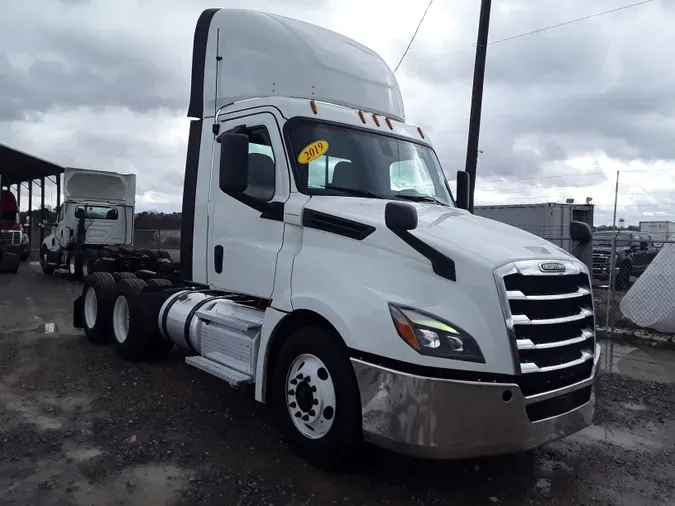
(305, 395)
(310, 396)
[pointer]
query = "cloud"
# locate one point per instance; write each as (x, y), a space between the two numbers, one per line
(105, 84)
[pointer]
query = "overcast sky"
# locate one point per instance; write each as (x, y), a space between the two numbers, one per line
(103, 84)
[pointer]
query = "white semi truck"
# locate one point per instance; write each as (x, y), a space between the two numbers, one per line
(94, 227)
(325, 262)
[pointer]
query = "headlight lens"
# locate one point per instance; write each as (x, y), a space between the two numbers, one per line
(432, 336)
(24, 239)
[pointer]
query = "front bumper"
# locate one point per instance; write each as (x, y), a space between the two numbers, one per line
(450, 419)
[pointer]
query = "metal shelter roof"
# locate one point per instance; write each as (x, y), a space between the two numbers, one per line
(17, 167)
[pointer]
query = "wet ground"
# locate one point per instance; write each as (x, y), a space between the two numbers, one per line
(78, 426)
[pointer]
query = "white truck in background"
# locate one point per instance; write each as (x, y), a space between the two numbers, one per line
(325, 262)
(95, 226)
(659, 231)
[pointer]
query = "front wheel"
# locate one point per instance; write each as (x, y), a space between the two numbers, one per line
(44, 257)
(317, 398)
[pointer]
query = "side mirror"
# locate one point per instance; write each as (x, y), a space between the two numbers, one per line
(463, 189)
(233, 167)
(581, 232)
(79, 213)
(400, 217)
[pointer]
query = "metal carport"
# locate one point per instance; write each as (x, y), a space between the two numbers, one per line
(18, 168)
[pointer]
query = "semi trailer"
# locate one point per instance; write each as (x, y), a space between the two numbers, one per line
(327, 266)
(94, 228)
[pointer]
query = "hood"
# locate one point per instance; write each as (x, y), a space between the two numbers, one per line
(450, 229)
(84, 185)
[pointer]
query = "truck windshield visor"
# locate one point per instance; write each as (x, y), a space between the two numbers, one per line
(332, 159)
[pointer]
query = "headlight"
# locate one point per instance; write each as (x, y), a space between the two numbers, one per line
(24, 239)
(432, 336)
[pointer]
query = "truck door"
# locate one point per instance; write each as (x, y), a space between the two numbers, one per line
(61, 231)
(246, 233)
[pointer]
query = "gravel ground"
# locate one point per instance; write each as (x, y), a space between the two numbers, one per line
(78, 426)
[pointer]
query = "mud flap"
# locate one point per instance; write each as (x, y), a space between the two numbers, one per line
(9, 260)
(77, 313)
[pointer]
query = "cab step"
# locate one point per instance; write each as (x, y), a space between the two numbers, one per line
(232, 376)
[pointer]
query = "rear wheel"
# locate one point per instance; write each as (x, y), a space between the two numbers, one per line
(88, 259)
(97, 296)
(317, 398)
(119, 276)
(135, 325)
(159, 282)
(75, 264)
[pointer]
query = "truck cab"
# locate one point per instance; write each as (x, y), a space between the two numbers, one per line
(11, 237)
(326, 262)
(97, 212)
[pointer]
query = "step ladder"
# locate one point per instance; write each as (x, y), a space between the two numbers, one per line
(229, 337)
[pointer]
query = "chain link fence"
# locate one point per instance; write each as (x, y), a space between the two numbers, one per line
(633, 279)
(634, 285)
(157, 239)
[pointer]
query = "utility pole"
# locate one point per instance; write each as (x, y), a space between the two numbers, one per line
(477, 96)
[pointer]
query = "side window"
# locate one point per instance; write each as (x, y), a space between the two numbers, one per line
(261, 165)
(411, 175)
(320, 171)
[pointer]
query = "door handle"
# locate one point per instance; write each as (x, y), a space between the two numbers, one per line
(218, 258)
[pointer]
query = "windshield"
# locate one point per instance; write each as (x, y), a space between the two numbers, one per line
(9, 217)
(97, 212)
(337, 160)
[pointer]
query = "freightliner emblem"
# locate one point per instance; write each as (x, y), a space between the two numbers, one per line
(552, 267)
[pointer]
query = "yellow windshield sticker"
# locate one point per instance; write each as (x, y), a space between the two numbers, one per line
(313, 151)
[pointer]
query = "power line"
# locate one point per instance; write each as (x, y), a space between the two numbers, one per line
(414, 35)
(571, 22)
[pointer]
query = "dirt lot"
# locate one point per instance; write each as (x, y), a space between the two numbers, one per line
(78, 426)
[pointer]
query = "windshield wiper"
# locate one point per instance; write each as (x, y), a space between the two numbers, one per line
(420, 198)
(357, 192)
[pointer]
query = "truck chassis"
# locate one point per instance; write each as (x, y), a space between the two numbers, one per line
(80, 261)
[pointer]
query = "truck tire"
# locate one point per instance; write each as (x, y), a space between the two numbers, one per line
(134, 323)
(317, 398)
(159, 282)
(119, 276)
(97, 302)
(44, 256)
(163, 254)
(75, 264)
(89, 258)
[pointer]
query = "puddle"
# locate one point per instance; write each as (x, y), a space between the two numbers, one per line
(596, 434)
(646, 364)
(30, 413)
(139, 486)
(82, 454)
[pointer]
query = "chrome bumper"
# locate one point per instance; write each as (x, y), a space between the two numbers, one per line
(449, 419)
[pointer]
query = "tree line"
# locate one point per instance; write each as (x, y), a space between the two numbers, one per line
(146, 220)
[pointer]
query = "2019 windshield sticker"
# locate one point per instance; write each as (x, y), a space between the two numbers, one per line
(312, 151)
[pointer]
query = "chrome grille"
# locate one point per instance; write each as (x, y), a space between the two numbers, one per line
(10, 237)
(550, 319)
